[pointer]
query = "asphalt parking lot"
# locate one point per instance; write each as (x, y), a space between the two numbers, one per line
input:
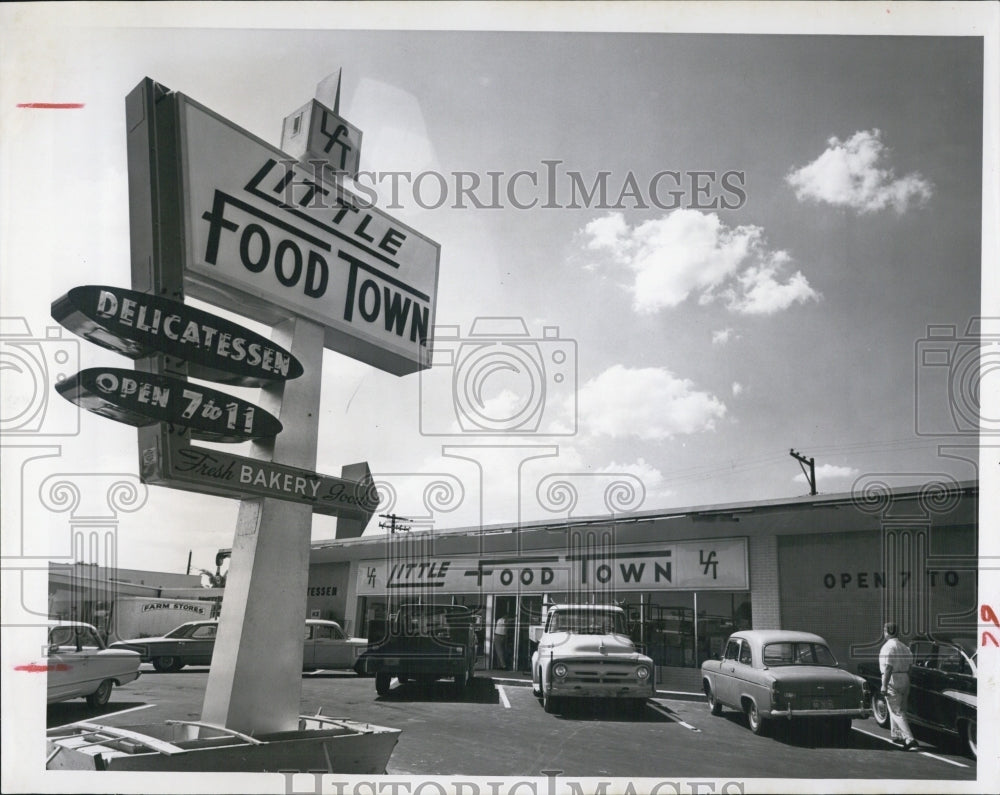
(498, 728)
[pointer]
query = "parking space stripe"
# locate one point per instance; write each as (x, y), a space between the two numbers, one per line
(104, 715)
(503, 696)
(942, 759)
(667, 712)
(924, 753)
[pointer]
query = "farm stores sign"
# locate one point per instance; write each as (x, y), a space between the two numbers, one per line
(712, 564)
(262, 231)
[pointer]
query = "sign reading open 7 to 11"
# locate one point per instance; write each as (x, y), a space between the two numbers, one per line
(142, 399)
(263, 231)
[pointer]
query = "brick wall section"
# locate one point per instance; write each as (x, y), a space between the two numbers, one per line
(765, 596)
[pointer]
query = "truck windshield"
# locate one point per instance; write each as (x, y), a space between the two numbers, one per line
(589, 622)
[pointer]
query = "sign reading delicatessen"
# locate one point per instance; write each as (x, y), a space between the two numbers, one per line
(135, 324)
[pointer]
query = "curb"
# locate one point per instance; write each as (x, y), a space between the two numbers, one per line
(673, 695)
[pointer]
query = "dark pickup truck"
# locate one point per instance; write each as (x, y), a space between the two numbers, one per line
(422, 643)
(943, 684)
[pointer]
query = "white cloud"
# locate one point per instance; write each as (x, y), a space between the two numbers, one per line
(826, 472)
(650, 476)
(850, 174)
(691, 253)
(722, 336)
(761, 293)
(737, 388)
(647, 402)
(606, 232)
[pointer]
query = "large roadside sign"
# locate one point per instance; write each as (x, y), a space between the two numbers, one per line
(265, 234)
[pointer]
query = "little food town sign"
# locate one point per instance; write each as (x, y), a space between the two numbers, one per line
(712, 564)
(264, 231)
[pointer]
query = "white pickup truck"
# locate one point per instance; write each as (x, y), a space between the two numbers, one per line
(586, 652)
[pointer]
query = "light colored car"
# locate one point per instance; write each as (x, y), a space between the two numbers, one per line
(769, 674)
(585, 652)
(79, 665)
(325, 645)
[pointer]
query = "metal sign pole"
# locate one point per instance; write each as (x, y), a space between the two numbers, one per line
(255, 682)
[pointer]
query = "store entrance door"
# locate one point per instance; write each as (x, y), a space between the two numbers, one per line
(504, 632)
(514, 616)
(529, 615)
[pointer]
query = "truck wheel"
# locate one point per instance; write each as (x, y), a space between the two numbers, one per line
(102, 695)
(880, 710)
(549, 702)
(382, 681)
(754, 719)
(167, 664)
(713, 703)
(461, 681)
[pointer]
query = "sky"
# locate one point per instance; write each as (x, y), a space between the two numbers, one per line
(735, 244)
(791, 234)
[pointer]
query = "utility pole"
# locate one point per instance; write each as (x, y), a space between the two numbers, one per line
(391, 525)
(811, 474)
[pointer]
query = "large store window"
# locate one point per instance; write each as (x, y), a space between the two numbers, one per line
(719, 615)
(684, 629)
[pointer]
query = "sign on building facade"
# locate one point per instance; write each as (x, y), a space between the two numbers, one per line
(717, 563)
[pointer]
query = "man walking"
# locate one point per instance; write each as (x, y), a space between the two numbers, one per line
(500, 636)
(895, 659)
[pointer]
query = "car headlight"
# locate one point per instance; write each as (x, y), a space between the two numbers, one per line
(560, 670)
(642, 672)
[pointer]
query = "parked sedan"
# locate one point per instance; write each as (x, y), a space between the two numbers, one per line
(325, 645)
(769, 674)
(189, 644)
(79, 665)
(943, 685)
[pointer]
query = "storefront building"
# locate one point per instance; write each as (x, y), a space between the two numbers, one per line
(837, 565)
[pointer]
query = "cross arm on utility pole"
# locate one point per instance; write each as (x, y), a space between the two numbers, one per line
(391, 524)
